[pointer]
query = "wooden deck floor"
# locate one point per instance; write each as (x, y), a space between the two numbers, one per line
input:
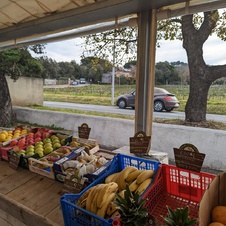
(36, 192)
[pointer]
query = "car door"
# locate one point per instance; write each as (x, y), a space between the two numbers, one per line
(131, 99)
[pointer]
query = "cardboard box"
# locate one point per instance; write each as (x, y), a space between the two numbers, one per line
(60, 173)
(213, 196)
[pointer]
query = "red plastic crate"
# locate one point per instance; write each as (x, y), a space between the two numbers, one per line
(177, 188)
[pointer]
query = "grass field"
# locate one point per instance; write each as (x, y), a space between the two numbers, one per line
(101, 94)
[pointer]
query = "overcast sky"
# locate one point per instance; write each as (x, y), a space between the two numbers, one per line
(214, 51)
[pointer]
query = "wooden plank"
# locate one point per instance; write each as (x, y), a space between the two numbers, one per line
(14, 181)
(5, 170)
(23, 214)
(46, 200)
(30, 189)
(56, 216)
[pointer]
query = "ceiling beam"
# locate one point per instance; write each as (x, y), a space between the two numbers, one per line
(166, 14)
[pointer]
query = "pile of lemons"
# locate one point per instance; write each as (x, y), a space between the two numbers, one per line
(9, 135)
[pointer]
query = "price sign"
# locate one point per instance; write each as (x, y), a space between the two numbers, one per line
(14, 160)
(84, 131)
(140, 143)
(189, 160)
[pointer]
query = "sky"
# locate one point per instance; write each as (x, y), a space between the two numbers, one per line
(214, 51)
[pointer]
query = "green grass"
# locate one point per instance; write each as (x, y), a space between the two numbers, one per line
(101, 95)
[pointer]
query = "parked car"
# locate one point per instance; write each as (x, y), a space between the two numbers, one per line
(163, 100)
(82, 81)
(75, 83)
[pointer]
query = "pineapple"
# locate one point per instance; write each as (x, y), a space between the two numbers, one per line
(179, 217)
(131, 209)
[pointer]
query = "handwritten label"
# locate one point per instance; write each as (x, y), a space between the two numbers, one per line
(188, 159)
(84, 131)
(14, 160)
(139, 144)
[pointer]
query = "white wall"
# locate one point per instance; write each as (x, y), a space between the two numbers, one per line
(26, 91)
(115, 133)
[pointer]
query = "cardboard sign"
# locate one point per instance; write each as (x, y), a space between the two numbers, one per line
(72, 185)
(140, 143)
(84, 131)
(188, 159)
(14, 160)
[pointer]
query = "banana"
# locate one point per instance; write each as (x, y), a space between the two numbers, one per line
(133, 187)
(94, 201)
(123, 175)
(133, 176)
(84, 196)
(144, 175)
(111, 209)
(91, 196)
(102, 211)
(109, 188)
(83, 203)
(111, 178)
(143, 186)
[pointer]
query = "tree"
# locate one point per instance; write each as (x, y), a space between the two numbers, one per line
(93, 68)
(165, 73)
(193, 30)
(14, 63)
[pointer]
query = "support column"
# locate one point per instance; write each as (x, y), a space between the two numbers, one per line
(145, 78)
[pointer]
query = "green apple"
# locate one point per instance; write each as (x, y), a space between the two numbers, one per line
(38, 149)
(29, 153)
(48, 150)
(40, 153)
(56, 146)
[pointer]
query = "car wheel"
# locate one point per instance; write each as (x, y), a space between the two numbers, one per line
(122, 103)
(169, 109)
(158, 106)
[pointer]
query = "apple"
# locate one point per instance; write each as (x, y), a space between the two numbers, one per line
(48, 150)
(40, 153)
(13, 143)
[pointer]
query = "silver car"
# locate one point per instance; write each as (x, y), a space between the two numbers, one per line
(163, 100)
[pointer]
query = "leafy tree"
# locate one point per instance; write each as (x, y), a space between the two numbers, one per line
(93, 68)
(130, 63)
(193, 30)
(51, 68)
(14, 63)
(165, 73)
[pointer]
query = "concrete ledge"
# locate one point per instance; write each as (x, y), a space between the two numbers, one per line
(115, 133)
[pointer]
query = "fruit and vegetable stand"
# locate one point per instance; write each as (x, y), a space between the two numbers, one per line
(48, 177)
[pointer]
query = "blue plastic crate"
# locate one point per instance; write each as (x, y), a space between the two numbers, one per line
(68, 201)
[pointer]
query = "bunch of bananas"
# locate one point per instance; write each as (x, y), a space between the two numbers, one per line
(138, 180)
(99, 200)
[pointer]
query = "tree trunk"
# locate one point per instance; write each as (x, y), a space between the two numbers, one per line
(201, 75)
(6, 119)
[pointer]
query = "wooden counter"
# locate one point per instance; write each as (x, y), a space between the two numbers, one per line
(28, 198)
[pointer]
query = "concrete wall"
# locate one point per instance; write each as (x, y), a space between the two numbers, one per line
(115, 133)
(26, 91)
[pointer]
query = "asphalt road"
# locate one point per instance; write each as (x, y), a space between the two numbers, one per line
(128, 111)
